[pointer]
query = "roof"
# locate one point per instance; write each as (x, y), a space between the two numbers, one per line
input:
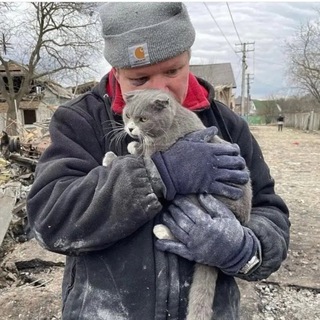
(57, 89)
(239, 99)
(218, 74)
(84, 87)
(17, 69)
(14, 68)
(263, 104)
(29, 104)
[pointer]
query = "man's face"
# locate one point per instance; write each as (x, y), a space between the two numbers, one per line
(171, 75)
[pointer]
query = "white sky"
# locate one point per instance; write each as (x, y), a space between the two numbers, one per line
(267, 24)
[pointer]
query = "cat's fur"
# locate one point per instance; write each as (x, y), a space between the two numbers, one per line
(157, 120)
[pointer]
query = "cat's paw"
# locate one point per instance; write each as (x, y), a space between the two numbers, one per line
(133, 147)
(162, 232)
(108, 158)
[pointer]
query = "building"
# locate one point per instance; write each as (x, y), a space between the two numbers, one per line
(38, 103)
(221, 77)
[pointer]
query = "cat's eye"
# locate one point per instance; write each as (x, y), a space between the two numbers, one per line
(127, 116)
(143, 119)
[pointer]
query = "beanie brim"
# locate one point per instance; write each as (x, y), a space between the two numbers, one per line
(150, 44)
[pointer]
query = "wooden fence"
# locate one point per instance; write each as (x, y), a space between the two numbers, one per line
(309, 121)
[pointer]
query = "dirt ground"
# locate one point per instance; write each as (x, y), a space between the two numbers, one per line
(30, 277)
(293, 292)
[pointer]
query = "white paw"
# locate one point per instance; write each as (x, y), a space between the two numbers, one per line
(162, 232)
(108, 158)
(133, 147)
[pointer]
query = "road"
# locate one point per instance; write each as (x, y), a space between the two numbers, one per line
(293, 157)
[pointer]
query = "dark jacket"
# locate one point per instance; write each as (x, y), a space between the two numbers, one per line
(102, 218)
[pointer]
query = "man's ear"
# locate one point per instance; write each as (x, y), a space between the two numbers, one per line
(116, 73)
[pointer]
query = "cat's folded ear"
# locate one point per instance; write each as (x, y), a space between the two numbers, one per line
(161, 102)
(128, 96)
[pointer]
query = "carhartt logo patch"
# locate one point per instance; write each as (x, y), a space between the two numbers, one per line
(139, 55)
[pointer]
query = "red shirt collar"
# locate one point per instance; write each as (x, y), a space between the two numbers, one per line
(196, 98)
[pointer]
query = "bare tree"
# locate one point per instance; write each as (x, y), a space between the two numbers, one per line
(303, 53)
(296, 104)
(49, 39)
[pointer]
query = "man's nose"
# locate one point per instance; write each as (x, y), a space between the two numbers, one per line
(159, 82)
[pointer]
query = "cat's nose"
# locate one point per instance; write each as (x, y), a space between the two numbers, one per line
(130, 129)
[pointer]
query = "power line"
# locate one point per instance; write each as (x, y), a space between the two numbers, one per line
(268, 61)
(220, 29)
(233, 23)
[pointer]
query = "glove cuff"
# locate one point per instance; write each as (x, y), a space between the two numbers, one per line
(160, 164)
(250, 248)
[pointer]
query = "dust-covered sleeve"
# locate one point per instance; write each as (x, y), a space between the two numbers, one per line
(269, 216)
(76, 204)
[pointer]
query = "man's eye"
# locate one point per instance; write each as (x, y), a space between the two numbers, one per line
(172, 72)
(139, 81)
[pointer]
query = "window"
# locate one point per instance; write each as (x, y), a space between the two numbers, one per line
(29, 116)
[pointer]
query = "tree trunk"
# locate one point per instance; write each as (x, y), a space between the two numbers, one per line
(11, 121)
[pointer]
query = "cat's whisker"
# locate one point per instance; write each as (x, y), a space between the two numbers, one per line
(118, 137)
(114, 122)
(113, 133)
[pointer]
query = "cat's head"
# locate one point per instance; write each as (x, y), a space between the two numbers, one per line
(148, 113)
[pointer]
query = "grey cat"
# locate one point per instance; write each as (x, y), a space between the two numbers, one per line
(157, 120)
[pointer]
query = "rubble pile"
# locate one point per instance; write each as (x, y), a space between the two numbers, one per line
(35, 140)
(18, 159)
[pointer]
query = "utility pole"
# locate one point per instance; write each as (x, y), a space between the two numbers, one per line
(248, 92)
(244, 50)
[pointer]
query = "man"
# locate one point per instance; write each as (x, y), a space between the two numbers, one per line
(102, 218)
(280, 121)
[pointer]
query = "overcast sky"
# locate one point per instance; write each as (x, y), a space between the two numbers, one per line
(267, 24)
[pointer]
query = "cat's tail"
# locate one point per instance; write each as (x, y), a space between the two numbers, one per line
(202, 292)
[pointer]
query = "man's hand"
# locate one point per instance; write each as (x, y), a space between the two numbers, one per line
(208, 233)
(192, 165)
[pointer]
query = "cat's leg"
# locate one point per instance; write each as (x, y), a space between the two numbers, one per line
(108, 158)
(134, 147)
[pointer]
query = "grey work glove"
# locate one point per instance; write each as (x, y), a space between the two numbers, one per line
(192, 165)
(209, 234)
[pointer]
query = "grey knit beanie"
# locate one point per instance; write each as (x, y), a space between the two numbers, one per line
(143, 33)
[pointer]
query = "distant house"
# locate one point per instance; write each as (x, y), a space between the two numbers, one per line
(265, 111)
(82, 88)
(39, 103)
(249, 106)
(221, 77)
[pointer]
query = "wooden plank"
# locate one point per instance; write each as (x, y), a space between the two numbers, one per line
(7, 202)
